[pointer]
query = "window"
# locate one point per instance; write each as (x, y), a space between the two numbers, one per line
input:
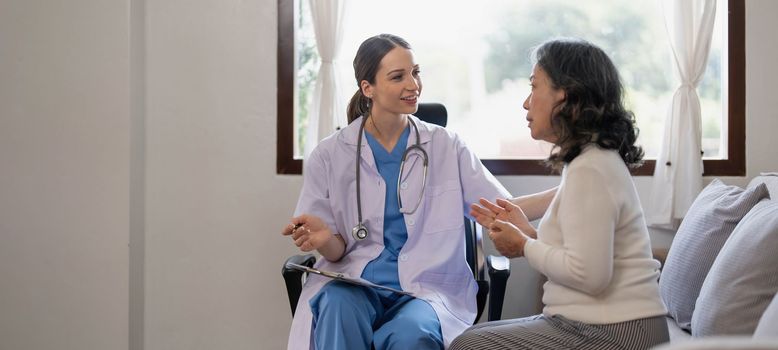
(481, 73)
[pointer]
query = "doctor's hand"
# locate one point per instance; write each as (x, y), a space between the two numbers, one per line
(508, 239)
(487, 212)
(308, 232)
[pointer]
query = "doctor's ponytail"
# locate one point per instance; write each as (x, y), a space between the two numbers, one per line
(366, 63)
(359, 105)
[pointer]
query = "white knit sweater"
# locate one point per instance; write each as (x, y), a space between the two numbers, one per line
(593, 245)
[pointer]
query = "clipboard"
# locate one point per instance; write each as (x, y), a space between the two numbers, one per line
(341, 277)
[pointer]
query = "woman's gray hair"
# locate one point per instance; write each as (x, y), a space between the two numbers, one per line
(593, 109)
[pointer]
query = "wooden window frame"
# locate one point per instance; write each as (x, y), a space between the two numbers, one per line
(734, 165)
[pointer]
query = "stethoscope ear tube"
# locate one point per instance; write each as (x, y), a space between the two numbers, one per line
(423, 180)
(360, 231)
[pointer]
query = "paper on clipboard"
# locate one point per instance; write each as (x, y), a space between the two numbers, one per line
(341, 277)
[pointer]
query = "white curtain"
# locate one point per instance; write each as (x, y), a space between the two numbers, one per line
(678, 173)
(327, 111)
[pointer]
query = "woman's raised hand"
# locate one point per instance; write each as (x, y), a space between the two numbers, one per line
(503, 210)
(486, 214)
(508, 226)
(508, 239)
(516, 216)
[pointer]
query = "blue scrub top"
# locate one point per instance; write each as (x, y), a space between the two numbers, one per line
(383, 269)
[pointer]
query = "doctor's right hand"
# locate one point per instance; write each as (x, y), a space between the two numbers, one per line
(309, 232)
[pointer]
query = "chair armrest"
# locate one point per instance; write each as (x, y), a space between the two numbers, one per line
(294, 278)
(499, 268)
(480, 299)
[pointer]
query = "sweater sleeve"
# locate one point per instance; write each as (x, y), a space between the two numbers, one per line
(587, 215)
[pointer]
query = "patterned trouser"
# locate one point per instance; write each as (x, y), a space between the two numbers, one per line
(557, 332)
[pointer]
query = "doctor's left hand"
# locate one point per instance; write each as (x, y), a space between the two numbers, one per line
(308, 232)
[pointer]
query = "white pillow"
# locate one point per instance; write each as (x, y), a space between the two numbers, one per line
(768, 323)
(743, 279)
(706, 227)
(722, 343)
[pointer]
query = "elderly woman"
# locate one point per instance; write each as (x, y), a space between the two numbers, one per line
(592, 242)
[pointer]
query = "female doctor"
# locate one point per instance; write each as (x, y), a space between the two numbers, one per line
(383, 199)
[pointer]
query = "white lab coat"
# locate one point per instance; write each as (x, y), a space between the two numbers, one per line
(431, 265)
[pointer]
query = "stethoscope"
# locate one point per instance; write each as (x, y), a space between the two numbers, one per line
(360, 231)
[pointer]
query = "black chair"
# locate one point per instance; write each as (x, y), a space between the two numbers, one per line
(498, 267)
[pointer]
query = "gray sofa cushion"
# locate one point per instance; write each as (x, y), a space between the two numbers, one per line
(722, 343)
(706, 227)
(744, 277)
(676, 333)
(768, 324)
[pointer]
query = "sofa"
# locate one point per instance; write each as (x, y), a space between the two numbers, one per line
(720, 275)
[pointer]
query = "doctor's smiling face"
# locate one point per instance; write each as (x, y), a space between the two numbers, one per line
(541, 105)
(397, 84)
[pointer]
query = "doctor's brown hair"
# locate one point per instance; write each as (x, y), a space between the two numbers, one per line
(366, 63)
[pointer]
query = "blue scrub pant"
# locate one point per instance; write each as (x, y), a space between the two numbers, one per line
(350, 317)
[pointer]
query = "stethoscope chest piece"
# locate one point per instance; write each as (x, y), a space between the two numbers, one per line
(359, 232)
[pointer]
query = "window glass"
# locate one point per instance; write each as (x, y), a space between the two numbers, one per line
(475, 60)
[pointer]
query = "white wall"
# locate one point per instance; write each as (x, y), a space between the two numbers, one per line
(761, 76)
(173, 151)
(64, 174)
(214, 205)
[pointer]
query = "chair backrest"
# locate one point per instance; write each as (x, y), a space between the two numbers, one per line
(434, 113)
